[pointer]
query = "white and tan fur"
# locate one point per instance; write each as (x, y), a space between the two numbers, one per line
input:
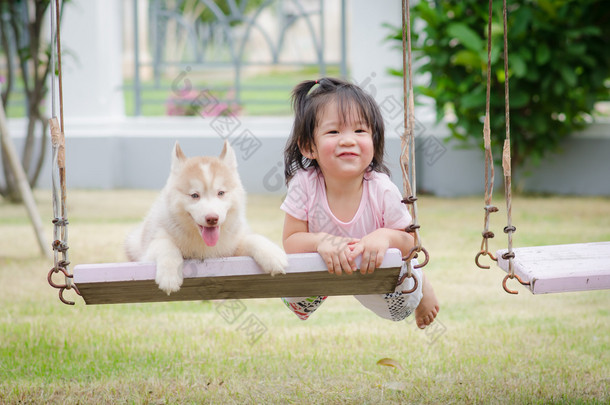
(200, 193)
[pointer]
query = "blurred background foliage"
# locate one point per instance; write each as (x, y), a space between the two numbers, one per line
(559, 68)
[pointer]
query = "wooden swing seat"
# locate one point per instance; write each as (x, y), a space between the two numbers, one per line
(231, 278)
(562, 268)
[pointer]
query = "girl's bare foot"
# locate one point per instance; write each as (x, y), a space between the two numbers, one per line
(428, 307)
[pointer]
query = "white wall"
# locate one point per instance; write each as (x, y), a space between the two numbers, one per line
(369, 53)
(135, 153)
(92, 59)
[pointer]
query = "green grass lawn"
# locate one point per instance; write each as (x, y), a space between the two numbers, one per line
(486, 346)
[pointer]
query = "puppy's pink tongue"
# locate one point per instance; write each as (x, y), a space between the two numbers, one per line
(210, 234)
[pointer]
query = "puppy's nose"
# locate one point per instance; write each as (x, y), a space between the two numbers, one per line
(211, 220)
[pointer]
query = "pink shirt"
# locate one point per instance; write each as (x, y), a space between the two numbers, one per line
(380, 206)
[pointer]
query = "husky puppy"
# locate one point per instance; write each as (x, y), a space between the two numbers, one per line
(199, 214)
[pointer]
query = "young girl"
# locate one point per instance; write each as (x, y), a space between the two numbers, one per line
(341, 202)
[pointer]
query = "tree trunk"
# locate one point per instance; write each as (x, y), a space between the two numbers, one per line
(34, 68)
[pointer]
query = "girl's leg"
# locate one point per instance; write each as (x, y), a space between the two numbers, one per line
(428, 307)
(396, 306)
(303, 307)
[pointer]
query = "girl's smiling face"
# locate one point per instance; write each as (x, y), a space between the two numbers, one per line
(343, 143)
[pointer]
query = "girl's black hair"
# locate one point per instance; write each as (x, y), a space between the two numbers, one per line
(308, 104)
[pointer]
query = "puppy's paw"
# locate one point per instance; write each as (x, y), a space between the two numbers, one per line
(168, 284)
(273, 260)
(169, 278)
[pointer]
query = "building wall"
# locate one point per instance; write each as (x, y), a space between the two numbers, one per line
(135, 153)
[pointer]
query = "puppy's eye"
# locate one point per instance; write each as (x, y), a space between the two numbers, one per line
(221, 193)
(195, 196)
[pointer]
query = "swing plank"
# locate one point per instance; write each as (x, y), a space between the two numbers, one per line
(562, 268)
(231, 278)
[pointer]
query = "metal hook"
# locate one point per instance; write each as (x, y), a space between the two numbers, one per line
(518, 279)
(484, 253)
(61, 297)
(57, 270)
(408, 274)
(426, 259)
(415, 283)
(413, 254)
(62, 287)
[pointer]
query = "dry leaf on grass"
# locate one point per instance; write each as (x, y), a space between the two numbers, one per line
(388, 362)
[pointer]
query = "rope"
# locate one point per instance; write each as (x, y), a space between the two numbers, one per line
(489, 163)
(506, 160)
(407, 158)
(60, 222)
(60, 77)
(506, 166)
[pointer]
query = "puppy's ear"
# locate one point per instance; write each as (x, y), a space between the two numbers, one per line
(228, 155)
(178, 157)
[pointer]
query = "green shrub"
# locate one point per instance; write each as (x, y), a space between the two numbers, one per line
(559, 65)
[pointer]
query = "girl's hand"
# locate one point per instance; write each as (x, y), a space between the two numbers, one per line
(372, 248)
(335, 250)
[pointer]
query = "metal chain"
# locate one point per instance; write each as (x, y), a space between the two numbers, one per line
(60, 221)
(407, 158)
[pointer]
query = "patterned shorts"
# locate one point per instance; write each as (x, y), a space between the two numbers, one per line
(394, 306)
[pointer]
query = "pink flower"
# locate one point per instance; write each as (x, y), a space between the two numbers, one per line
(190, 103)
